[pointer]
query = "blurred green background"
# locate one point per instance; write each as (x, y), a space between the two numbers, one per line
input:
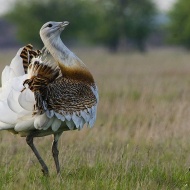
(114, 24)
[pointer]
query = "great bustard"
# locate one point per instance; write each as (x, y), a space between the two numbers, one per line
(42, 96)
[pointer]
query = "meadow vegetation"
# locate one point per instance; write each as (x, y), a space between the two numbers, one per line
(141, 139)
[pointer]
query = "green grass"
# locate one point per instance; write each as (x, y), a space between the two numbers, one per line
(141, 137)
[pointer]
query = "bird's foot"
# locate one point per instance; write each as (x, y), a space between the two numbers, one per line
(45, 172)
(60, 177)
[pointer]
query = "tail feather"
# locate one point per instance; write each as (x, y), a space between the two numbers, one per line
(27, 55)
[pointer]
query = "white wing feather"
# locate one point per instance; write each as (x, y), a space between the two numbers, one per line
(26, 100)
(24, 125)
(12, 101)
(6, 114)
(16, 64)
(12, 79)
(40, 121)
(4, 126)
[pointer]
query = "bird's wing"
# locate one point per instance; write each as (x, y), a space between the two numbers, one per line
(36, 95)
(69, 96)
(70, 100)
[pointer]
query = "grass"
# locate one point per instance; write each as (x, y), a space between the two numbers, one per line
(141, 137)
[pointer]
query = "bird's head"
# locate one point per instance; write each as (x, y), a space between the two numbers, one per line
(52, 29)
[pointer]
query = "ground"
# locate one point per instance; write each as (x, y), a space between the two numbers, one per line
(140, 140)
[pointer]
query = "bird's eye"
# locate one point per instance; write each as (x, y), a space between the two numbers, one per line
(49, 25)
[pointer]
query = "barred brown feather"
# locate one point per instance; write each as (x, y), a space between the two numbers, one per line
(27, 54)
(66, 96)
(38, 83)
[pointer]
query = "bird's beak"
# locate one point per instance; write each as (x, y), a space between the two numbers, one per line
(63, 24)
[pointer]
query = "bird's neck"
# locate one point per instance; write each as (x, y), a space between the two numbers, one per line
(70, 65)
(61, 53)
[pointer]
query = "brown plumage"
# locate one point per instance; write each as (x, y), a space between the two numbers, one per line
(69, 96)
(66, 94)
(27, 54)
(77, 73)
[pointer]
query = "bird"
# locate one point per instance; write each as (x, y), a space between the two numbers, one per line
(46, 92)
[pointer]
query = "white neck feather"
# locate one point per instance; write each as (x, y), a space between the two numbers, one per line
(61, 53)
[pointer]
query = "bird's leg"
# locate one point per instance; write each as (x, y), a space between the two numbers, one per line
(55, 151)
(29, 140)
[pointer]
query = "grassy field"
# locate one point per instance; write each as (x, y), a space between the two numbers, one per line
(141, 139)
